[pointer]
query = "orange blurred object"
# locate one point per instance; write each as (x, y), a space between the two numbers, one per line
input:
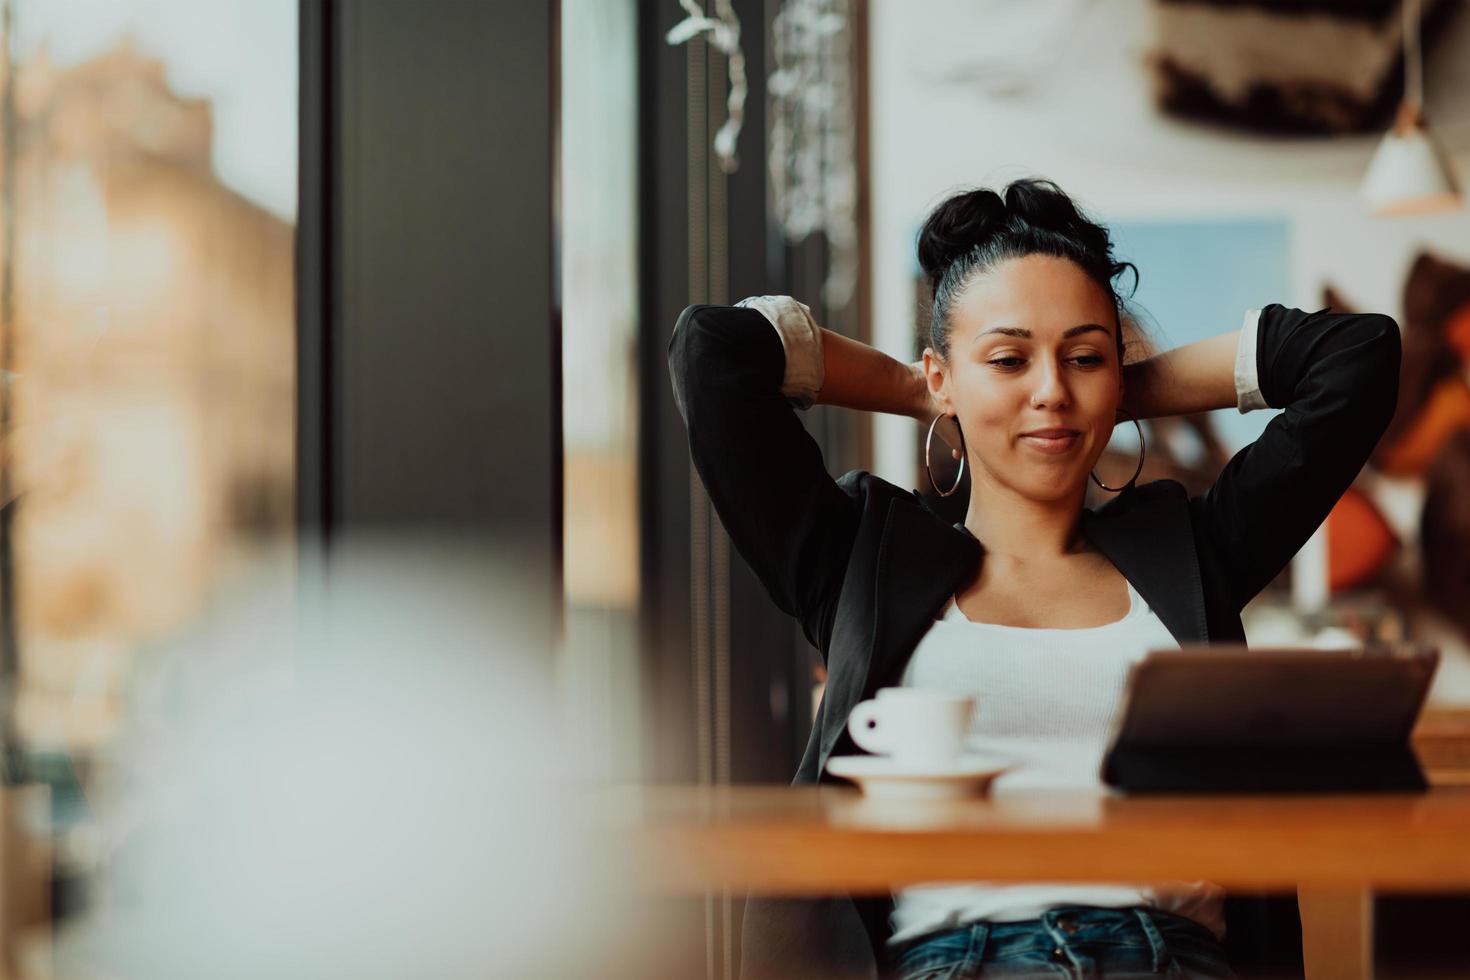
(1457, 332)
(1359, 541)
(1445, 411)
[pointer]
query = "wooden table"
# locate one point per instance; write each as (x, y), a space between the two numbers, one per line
(808, 840)
(1335, 850)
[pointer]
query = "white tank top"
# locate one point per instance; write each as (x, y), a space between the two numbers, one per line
(1045, 699)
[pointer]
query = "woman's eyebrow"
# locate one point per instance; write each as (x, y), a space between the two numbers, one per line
(1021, 332)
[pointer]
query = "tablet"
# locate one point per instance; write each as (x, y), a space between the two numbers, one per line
(1228, 718)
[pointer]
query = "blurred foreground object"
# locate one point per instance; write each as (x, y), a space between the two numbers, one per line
(26, 899)
(372, 787)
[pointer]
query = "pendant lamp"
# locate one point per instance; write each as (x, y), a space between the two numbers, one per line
(1410, 174)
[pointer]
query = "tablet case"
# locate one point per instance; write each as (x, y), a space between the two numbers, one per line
(1232, 720)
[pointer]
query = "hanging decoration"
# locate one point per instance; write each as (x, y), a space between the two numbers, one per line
(1410, 173)
(812, 155)
(723, 34)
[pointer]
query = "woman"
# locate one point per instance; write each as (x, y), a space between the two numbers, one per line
(1036, 602)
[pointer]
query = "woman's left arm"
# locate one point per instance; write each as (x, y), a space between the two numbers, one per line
(1198, 377)
(1336, 378)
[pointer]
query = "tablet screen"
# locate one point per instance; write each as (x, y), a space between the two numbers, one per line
(1236, 695)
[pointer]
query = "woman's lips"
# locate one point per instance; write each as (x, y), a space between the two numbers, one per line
(1052, 445)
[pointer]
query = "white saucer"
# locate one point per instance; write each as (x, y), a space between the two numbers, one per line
(883, 777)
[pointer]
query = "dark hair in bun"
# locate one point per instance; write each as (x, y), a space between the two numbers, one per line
(972, 231)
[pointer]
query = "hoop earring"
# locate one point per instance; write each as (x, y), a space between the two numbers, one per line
(1142, 449)
(928, 440)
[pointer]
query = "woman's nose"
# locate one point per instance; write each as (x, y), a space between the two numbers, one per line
(1051, 389)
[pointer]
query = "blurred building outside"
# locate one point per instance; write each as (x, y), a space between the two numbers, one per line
(153, 393)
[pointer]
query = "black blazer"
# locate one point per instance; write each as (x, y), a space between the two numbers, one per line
(865, 566)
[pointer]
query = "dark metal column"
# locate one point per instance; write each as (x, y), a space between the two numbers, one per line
(429, 345)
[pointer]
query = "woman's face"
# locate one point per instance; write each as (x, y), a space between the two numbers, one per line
(1032, 348)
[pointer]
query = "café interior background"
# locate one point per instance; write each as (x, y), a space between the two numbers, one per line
(148, 476)
(1218, 218)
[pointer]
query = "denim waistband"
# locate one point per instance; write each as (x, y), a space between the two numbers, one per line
(1055, 929)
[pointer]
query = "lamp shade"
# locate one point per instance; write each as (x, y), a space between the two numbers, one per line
(1410, 173)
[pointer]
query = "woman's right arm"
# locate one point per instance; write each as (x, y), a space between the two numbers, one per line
(862, 377)
(739, 373)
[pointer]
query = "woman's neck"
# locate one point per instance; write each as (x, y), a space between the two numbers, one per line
(1022, 528)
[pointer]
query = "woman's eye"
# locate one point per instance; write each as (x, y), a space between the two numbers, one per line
(1086, 360)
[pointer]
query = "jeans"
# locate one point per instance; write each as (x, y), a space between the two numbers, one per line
(1070, 941)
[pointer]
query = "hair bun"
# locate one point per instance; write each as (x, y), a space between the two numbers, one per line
(974, 230)
(957, 226)
(972, 218)
(1040, 203)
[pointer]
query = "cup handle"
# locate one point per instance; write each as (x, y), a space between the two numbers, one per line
(862, 725)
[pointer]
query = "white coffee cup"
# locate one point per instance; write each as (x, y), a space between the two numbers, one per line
(913, 724)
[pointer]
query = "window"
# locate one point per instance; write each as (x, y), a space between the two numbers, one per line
(148, 315)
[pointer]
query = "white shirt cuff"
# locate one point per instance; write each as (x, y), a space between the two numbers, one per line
(1248, 395)
(801, 338)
